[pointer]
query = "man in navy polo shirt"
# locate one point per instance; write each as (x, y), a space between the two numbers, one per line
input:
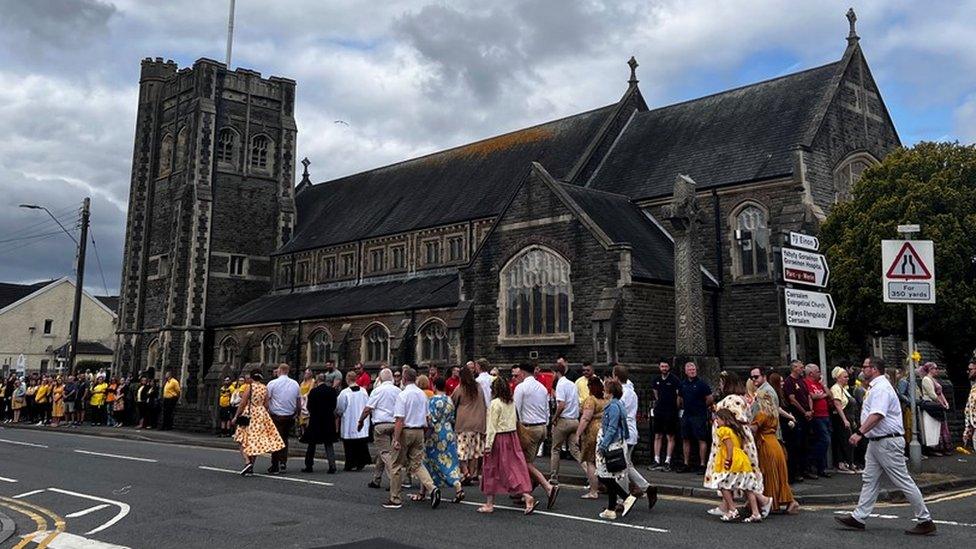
(665, 389)
(694, 398)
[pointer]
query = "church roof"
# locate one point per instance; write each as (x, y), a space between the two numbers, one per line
(472, 181)
(740, 135)
(12, 293)
(398, 295)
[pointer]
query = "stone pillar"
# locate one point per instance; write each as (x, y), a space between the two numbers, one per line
(689, 309)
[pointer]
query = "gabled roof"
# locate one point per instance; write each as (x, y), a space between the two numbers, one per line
(27, 292)
(398, 295)
(110, 301)
(85, 348)
(473, 181)
(11, 293)
(740, 135)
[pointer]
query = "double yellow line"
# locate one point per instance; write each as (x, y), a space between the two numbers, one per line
(40, 516)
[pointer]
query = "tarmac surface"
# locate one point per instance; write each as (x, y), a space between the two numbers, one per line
(71, 490)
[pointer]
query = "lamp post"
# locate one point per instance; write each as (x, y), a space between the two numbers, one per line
(79, 272)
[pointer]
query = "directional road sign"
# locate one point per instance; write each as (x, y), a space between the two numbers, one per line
(908, 271)
(805, 241)
(805, 268)
(805, 309)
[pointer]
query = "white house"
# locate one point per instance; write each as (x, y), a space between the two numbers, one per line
(35, 321)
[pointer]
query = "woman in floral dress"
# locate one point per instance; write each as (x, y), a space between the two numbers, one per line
(442, 456)
(734, 390)
(259, 436)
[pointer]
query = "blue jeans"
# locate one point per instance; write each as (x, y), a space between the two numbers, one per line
(820, 438)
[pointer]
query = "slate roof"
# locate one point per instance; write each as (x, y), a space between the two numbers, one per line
(652, 251)
(472, 181)
(11, 293)
(740, 135)
(398, 295)
(110, 301)
(85, 348)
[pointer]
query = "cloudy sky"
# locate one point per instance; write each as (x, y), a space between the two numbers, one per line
(410, 77)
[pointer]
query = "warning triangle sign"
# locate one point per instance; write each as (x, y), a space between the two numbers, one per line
(908, 265)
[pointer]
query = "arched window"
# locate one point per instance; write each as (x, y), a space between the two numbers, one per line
(228, 351)
(261, 149)
(226, 146)
(166, 154)
(751, 239)
(376, 344)
(432, 342)
(181, 145)
(152, 353)
(271, 349)
(534, 295)
(848, 171)
(319, 347)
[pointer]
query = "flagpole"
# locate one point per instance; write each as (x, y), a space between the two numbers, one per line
(230, 31)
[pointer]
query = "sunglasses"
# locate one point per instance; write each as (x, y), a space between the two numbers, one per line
(755, 376)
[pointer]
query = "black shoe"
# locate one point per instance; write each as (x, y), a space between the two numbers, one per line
(651, 494)
(390, 504)
(681, 468)
(700, 471)
(811, 476)
(331, 471)
(374, 484)
(247, 470)
(851, 522)
(283, 470)
(667, 467)
(273, 470)
(825, 474)
(922, 529)
(307, 470)
(435, 498)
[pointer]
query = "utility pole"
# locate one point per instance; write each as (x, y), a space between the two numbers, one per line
(79, 284)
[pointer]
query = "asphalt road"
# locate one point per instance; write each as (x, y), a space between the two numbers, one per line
(142, 494)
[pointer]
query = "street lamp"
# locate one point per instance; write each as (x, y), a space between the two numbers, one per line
(79, 272)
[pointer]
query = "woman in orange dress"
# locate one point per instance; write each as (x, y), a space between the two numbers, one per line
(259, 436)
(772, 459)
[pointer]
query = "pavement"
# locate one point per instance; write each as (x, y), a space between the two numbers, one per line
(938, 474)
(71, 490)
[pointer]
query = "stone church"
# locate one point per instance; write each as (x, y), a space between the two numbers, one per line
(552, 240)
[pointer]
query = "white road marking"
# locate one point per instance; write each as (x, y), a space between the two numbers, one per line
(5, 479)
(123, 508)
(117, 456)
(21, 443)
(872, 515)
(275, 477)
(954, 523)
(574, 517)
(31, 493)
(64, 540)
(84, 512)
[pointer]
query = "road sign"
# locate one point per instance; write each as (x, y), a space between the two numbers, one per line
(805, 268)
(908, 271)
(805, 241)
(805, 309)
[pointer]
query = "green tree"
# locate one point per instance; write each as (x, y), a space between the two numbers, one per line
(933, 185)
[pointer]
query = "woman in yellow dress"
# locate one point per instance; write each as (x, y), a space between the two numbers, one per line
(772, 459)
(589, 427)
(259, 436)
(732, 468)
(57, 402)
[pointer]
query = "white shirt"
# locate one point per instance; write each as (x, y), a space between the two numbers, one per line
(383, 402)
(566, 392)
(283, 393)
(350, 406)
(484, 380)
(629, 399)
(881, 399)
(531, 402)
(411, 405)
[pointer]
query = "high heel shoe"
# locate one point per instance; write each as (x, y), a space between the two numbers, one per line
(730, 515)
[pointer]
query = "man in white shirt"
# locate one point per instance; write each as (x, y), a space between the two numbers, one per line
(532, 406)
(284, 405)
(381, 407)
(881, 424)
(565, 421)
(637, 481)
(410, 416)
(484, 379)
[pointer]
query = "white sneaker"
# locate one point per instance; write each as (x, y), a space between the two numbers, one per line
(716, 511)
(628, 504)
(608, 514)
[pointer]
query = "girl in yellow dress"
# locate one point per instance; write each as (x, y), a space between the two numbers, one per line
(733, 470)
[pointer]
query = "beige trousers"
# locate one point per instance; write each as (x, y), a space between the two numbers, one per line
(410, 461)
(385, 456)
(564, 429)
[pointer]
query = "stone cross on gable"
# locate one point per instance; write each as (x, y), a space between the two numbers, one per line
(306, 162)
(684, 215)
(633, 70)
(852, 21)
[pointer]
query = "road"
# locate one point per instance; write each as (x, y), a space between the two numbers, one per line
(105, 493)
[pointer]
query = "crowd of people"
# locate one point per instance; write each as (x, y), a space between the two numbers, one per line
(93, 398)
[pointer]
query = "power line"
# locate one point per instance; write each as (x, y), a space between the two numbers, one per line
(63, 215)
(16, 246)
(43, 225)
(28, 237)
(98, 260)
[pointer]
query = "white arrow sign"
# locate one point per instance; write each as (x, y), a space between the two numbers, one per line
(805, 241)
(805, 268)
(806, 309)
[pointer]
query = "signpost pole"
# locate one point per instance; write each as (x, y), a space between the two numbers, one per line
(822, 347)
(915, 447)
(793, 352)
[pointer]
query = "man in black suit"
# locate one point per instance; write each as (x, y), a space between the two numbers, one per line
(321, 423)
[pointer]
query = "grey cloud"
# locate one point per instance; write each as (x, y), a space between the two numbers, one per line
(46, 27)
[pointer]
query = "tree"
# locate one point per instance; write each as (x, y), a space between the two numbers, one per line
(933, 185)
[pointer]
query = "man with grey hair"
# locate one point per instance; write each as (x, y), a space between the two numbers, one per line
(381, 407)
(410, 417)
(819, 422)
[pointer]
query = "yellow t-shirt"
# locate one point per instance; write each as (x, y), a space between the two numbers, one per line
(840, 393)
(98, 394)
(41, 396)
(171, 389)
(583, 388)
(225, 393)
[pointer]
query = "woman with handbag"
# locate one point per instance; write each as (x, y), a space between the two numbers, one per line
(256, 433)
(611, 454)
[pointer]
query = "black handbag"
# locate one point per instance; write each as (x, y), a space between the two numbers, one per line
(244, 419)
(615, 459)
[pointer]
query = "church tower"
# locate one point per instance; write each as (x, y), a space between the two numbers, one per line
(211, 197)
